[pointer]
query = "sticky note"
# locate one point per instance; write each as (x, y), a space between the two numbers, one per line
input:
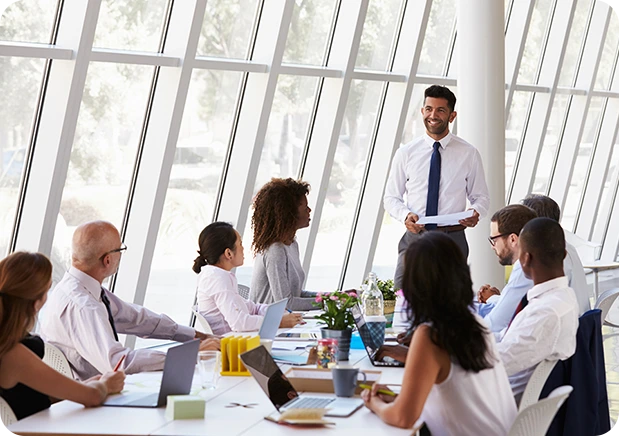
(185, 407)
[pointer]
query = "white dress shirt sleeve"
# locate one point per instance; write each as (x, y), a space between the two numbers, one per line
(137, 320)
(505, 305)
(396, 188)
(529, 339)
(476, 188)
(92, 336)
(236, 311)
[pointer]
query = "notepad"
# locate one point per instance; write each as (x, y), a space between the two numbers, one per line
(290, 359)
(309, 417)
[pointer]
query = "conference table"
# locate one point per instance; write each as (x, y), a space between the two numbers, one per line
(222, 414)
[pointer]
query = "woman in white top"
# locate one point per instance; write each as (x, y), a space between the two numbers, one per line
(221, 249)
(453, 379)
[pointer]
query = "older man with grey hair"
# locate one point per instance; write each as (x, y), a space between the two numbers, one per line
(84, 319)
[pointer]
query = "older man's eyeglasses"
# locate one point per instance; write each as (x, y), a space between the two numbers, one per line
(492, 239)
(122, 248)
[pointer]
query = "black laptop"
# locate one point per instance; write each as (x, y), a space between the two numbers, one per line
(372, 342)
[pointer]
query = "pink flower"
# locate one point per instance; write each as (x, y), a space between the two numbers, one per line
(333, 298)
(319, 298)
(352, 294)
(399, 293)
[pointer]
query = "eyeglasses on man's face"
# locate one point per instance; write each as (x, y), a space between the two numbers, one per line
(122, 248)
(492, 239)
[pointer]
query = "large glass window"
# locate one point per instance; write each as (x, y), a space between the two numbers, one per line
(606, 199)
(20, 80)
(227, 28)
(344, 185)
(192, 191)
(607, 61)
(436, 44)
(535, 39)
(130, 25)
(309, 31)
(27, 21)
(551, 142)
(381, 21)
(581, 166)
(513, 131)
(574, 43)
(104, 150)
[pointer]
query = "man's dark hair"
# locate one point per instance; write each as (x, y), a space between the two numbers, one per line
(544, 206)
(512, 218)
(438, 91)
(545, 240)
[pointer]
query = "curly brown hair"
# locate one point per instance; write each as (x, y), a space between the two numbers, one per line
(276, 210)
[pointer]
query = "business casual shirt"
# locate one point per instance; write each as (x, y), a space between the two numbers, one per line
(76, 321)
(222, 306)
(544, 329)
(462, 177)
(575, 273)
(499, 309)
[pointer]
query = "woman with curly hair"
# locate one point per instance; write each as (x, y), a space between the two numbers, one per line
(280, 209)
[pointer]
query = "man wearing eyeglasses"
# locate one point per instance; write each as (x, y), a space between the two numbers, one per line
(498, 308)
(84, 319)
(435, 174)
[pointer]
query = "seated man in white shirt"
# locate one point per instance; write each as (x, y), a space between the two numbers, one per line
(546, 207)
(497, 308)
(546, 322)
(83, 319)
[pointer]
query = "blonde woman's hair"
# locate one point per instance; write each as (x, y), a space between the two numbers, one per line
(24, 278)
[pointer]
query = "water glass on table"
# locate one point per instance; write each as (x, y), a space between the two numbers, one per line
(209, 368)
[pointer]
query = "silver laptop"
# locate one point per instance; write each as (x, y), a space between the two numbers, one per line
(272, 319)
(178, 370)
(281, 392)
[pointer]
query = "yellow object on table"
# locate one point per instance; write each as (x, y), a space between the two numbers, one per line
(231, 348)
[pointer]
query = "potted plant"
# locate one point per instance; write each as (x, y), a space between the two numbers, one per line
(389, 295)
(338, 318)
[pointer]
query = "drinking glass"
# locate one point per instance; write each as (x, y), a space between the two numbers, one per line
(209, 367)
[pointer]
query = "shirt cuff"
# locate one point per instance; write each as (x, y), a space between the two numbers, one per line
(494, 299)
(184, 334)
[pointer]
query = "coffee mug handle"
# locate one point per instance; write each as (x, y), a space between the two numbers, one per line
(365, 377)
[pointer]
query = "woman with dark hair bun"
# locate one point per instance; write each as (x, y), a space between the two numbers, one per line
(280, 209)
(453, 378)
(221, 249)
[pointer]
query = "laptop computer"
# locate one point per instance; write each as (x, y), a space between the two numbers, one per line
(371, 343)
(281, 392)
(180, 363)
(272, 319)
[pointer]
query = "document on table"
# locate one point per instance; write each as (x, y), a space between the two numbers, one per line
(446, 220)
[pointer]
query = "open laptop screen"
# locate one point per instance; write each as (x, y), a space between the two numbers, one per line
(268, 375)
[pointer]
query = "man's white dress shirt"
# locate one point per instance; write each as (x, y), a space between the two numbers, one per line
(76, 321)
(544, 329)
(222, 306)
(462, 177)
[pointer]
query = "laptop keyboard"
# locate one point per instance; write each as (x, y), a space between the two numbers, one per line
(310, 403)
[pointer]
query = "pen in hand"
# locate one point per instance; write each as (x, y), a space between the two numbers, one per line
(380, 391)
(119, 362)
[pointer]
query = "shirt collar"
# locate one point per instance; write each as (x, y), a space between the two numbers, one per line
(443, 141)
(88, 282)
(542, 288)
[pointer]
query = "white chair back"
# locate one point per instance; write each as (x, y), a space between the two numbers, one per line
(244, 291)
(535, 419)
(203, 322)
(6, 413)
(587, 251)
(536, 383)
(605, 302)
(54, 358)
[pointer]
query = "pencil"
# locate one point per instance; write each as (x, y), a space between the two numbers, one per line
(380, 391)
(119, 362)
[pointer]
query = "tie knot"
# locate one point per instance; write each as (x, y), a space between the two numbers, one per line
(437, 145)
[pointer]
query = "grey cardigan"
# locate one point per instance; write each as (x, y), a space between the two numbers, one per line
(278, 274)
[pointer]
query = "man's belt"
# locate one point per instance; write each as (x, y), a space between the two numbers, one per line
(450, 229)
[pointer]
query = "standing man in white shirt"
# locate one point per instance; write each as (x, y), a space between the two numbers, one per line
(433, 175)
(546, 321)
(572, 266)
(84, 319)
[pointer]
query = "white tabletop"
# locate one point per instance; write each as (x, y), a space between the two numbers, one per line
(68, 418)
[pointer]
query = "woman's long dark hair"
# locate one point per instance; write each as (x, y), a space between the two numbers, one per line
(213, 241)
(438, 288)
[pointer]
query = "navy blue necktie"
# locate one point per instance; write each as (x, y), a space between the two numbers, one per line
(106, 303)
(434, 181)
